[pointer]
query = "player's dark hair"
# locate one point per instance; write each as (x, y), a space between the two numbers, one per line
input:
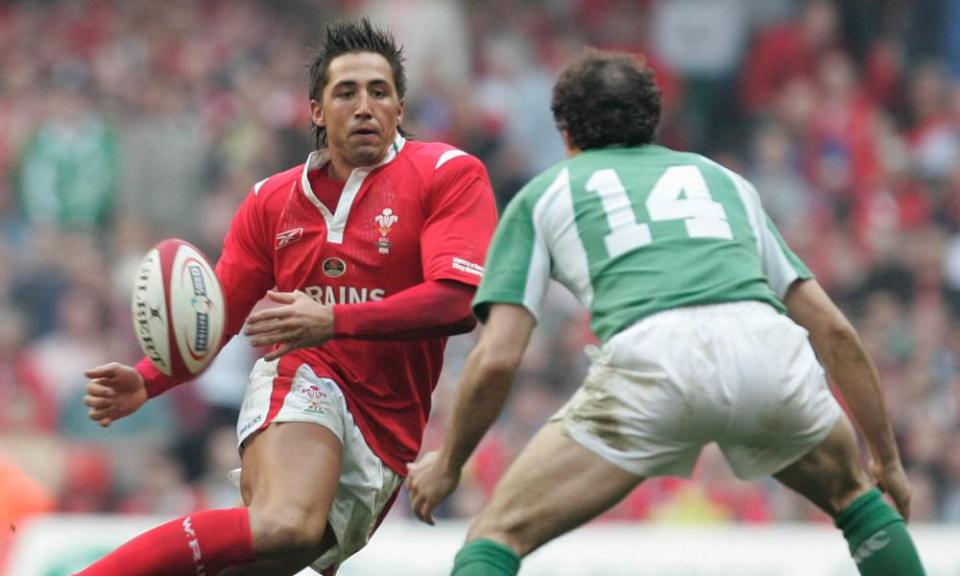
(607, 99)
(351, 38)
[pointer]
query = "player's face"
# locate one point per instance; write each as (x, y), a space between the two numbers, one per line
(360, 109)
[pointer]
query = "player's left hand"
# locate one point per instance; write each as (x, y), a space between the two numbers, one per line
(298, 322)
(892, 480)
(429, 484)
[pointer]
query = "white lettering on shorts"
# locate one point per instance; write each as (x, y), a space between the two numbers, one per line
(251, 424)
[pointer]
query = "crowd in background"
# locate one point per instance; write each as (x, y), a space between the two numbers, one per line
(125, 122)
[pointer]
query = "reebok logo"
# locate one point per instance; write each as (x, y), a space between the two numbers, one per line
(289, 237)
(194, 544)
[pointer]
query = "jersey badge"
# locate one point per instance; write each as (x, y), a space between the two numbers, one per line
(334, 267)
(385, 222)
(288, 237)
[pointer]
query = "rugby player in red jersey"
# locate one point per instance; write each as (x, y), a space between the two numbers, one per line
(371, 251)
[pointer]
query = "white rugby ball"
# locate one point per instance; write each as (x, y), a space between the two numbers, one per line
(178, 308)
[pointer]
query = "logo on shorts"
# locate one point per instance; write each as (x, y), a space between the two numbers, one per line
(334, 267)
(251, 424)
(313, 394)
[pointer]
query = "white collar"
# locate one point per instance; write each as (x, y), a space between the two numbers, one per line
(337, 222)
(319, 158)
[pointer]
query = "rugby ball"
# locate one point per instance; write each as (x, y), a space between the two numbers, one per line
(178, 309)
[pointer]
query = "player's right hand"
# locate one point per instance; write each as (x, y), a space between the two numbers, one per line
(429, 483)
(298, 322)
(893, 480)
(114, 391)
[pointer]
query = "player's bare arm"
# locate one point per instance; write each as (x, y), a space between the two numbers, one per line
(483, 390)
(839, 347)
(113, 392)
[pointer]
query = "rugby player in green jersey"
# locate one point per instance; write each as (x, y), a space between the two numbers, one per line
(711, 331)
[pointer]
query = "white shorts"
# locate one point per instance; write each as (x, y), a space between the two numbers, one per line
(367, 485)
(740, 374)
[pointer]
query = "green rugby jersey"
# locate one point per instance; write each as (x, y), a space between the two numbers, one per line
(635, 231)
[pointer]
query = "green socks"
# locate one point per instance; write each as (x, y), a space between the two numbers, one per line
(877, 535)
(878, 538)
(486, 558)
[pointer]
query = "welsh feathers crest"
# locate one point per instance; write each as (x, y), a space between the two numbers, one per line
(385, 220)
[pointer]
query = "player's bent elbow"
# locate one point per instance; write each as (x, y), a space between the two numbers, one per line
(499, 362)
(839, 331)
(464, 325)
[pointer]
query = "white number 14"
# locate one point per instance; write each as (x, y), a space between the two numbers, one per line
(703, 217)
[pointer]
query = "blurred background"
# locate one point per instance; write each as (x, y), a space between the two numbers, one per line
(125, 122)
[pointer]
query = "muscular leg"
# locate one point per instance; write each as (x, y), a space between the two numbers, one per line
(832, 477)
(290, 476)
(290, 479)
(553, 486)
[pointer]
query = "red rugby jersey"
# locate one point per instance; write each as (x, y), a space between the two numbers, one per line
(426, 212)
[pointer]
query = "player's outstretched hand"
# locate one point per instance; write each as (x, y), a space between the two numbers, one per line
(893, 480)
(114, 391)
(429, 484)
(298, 322)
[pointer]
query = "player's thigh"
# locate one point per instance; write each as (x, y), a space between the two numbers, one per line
(554, 485)
(831, 475)
(290, 475)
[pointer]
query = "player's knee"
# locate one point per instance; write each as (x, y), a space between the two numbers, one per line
(839, 487)
(848, 489)
(288, 529)
(509, 528)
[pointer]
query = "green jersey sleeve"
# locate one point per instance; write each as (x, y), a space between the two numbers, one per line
(781, 266)
(517, 269)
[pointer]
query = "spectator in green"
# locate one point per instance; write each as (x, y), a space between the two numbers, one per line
(69, 168)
